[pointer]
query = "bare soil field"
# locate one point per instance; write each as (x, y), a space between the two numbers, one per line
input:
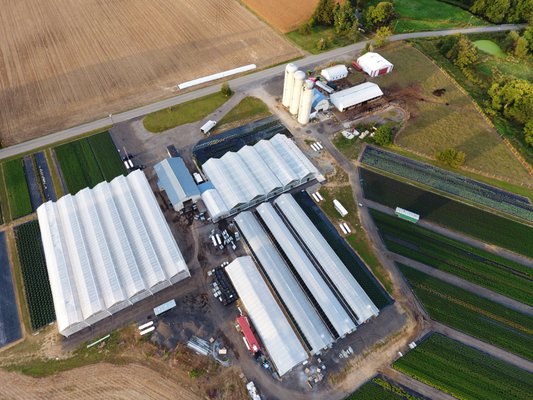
(285, 15)
(100, 381)
(65, 62)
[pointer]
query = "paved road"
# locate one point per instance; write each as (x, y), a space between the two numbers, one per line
(240, 83)
(499, 251)
(417, 386)
(485, 347)
(464, 284)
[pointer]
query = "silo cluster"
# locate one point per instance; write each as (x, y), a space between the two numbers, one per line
(297, 93)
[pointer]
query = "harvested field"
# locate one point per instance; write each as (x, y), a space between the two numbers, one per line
(68, 62)
(282, 14)
(100, 381)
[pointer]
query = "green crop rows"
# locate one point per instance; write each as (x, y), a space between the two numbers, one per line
(472, 314)
(449, 182)
(464, 372)
(35, 275)
(477, 266)
(381, 389)
(106, 155)
(87, 162)
(17, 188)
(448, 213)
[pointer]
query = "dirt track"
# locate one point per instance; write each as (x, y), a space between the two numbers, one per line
(65, 62)
(101, 381)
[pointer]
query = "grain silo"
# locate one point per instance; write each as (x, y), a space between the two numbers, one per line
(299, 77)
(288, 84)
(306, 102)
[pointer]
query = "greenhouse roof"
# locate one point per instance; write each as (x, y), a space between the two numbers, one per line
(107, 248)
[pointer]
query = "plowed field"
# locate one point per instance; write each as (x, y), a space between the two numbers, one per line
(101, 381)
(64, 62)
(285, 15)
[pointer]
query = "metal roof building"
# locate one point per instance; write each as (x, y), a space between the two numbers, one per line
(107, 248)
(355, 95)
(352, 293)
(176, 180)
(253, 174)
(320, 102)
(286, 286)
(374, 64)
(275, 331)
(335, 73)
(308, 273)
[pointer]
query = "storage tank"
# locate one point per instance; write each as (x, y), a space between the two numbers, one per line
(288, 84)
(306, 102)
(299, 78)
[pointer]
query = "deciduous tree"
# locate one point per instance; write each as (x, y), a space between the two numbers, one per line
(324, 12)
(452, 157)
(379, 15)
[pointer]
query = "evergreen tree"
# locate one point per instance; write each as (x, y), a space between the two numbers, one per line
(465, 53)
(344, 17)
(521, 48)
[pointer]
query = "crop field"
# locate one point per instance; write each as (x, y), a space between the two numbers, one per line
(477, 266)
(17, 188)
(9, 315)
(464, 372)
(281, 14)
(448, 213)
(381, 389)
(449, 182)
(430, 15)
(35, 275)
(472, 314)
(89, 161)
(69, 62)
(439, 119)
(354, 264)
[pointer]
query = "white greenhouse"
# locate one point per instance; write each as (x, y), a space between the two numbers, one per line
(285, 284)
(275, 331)
(253, 174)
(350, 290)
(308, 273)
(106, 248)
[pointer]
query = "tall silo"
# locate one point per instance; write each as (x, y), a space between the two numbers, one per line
(306, 102)
(299, 78)
(288, 84)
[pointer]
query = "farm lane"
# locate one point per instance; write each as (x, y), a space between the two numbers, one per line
(240, 83)
(484, 347)
(417, 386)
(499, 251)
(464, 284)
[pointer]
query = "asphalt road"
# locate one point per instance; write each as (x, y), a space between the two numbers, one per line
(237, 84)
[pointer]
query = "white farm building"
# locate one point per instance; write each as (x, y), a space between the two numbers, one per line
(355, 96)
(107, 248)
(374, 64)
(275, 331)
(334, 73)
(254, 174)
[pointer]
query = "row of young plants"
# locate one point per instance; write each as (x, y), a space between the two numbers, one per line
(477, 266)
(451, 214)
(89, 161)
(382, 389)
(35, 275)
(464, 372)
(474, 315)
(449, 182)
